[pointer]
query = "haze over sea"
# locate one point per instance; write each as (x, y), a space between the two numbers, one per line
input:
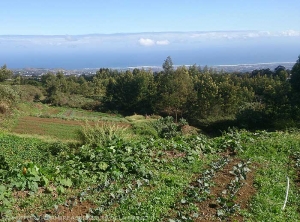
(148, 49)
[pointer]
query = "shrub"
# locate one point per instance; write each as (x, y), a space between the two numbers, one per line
(8, 94)
(4, 108)
(8, 98)
(145, 129)
(57, 147)
(167, 128)
(100, 135)
(29, 93)
(254, 116)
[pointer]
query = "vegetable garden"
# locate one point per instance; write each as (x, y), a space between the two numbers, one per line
(239, 176)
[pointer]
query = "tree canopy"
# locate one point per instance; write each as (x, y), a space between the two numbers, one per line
(5, 73)
(260, 99)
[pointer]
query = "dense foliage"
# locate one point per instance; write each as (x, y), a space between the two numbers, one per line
(262, 99)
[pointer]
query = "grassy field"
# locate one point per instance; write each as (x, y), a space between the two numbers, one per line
(131, 174)
(56, 122)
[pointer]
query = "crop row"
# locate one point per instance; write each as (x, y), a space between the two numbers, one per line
(226, 199)
(107, 194)
(197, 191)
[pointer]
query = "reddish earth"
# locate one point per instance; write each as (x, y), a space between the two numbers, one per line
(71, 212)
(34, 125)
(171, 154)
(208, 208)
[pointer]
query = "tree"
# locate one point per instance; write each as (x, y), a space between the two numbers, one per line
(295, 77)
(194, 70)
(5, 73)
(206, 95)
(168, 66)
(177, 90)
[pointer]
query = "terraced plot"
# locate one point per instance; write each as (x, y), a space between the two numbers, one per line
(63, 129)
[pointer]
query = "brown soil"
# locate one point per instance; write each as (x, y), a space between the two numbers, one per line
(208, 208)
(171, 154)
(34, 125)
(50, 120)
(246, 192)
(53, 111)
(29, 126)
(72, 212)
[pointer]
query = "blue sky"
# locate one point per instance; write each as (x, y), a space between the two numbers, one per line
(114, 33)
(61, 17)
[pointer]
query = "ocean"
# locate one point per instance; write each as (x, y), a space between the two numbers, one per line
(214, 53)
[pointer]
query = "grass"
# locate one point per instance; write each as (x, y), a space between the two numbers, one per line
(55, 128)
(272, 152)
(101, 134)
(58, 123)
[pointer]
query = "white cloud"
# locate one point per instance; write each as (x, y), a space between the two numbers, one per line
(290, 33)
(146, 42)
(163, 42)
(158, 39)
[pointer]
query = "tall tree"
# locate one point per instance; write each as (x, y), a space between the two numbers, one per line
(295, 77)
(5, 73)
(168, 66)
(178, 89)
(206, 95)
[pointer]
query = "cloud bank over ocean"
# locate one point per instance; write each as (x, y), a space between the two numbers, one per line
(144, 39)
(187, 47)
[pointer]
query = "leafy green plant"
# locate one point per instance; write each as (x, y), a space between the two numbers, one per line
(29, 177)
(226, 200)
(198, 191)
(3, 163)
(167, 128)
(5, 201)
(231, 141)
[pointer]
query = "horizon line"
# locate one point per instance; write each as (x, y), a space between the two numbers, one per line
(156, 66)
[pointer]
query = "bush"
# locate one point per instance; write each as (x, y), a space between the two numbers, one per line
(57, 147)
(4, 108)
(8, 94)
(167, 128)
(72, 100)
(253, 116)
(29, 93)
(144, 129)
(100, 135)
(8, 98)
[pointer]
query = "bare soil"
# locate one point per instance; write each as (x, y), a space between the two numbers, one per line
(34, 125)
(208, 208)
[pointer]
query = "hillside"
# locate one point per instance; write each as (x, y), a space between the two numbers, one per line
(144, 169)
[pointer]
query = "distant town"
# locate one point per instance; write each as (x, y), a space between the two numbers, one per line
(92, 71)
